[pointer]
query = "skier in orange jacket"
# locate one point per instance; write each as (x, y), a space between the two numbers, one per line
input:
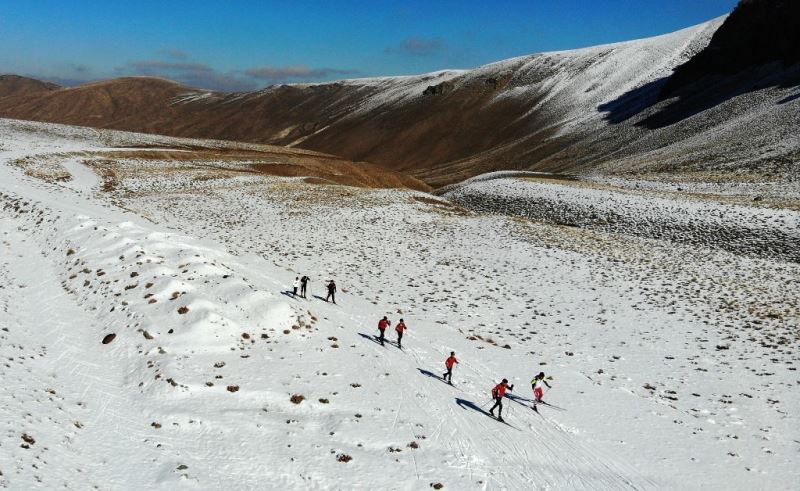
(498, 393)
(449, 364)
(382, 325)
(400, 328)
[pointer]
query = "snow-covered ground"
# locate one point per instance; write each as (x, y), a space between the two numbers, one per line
(675, 365)
(679, 217)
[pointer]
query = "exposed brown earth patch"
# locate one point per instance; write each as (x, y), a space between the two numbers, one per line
(282, 162)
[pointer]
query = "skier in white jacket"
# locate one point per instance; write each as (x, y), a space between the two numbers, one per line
(295, 285)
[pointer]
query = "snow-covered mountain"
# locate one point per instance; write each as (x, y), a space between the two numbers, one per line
(614, 109)
(149, 338)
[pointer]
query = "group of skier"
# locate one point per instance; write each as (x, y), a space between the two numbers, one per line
(498, 392)
(301, 283)
(384, 324)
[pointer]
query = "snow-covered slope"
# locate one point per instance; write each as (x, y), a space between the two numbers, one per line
(675, 366)
(679, 217)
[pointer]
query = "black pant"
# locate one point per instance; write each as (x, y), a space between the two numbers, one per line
(498, 403)
(331, 296)
(380, 337)
(448, 375)
(294, 291)
(399, 337)
(303, 290)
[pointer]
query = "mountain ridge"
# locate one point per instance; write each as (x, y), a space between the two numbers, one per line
(604, 109)
(17, 85)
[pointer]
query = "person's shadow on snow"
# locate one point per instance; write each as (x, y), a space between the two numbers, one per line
(518, 399)
(465, 404)
(289, 294)
(428, 373)
(370, 337)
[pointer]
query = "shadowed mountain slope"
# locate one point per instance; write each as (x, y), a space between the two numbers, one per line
(757, 32)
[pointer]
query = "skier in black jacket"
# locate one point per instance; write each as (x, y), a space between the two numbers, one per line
(303, 285)
(331, 292)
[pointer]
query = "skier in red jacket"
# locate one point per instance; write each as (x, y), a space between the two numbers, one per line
(400, 328)
(498, 393)
(449, 364)
(382, 325)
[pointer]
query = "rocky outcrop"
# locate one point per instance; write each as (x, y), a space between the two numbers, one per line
(438, 89)
(756, 33)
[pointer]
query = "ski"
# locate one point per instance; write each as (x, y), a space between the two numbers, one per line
(505, 423)
(552, 406)
(446, 383)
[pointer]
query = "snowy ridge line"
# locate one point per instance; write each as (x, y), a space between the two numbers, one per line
(761, 232)
(67, 138)
(619, 74)
(580, 80)
(395, 88)
(489, 176)
(143, 280)
(113, 407)
(773, 190)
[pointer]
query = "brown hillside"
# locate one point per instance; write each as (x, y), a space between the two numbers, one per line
(132, 103)
(119, 154)
(413, 135)
(274, 161)
(16, 86)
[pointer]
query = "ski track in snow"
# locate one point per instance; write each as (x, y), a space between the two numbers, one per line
(630, 335)
(82, 178)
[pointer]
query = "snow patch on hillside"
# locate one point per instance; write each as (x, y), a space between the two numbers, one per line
(743, 229)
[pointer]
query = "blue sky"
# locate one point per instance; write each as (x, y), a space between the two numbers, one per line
(239, 45)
